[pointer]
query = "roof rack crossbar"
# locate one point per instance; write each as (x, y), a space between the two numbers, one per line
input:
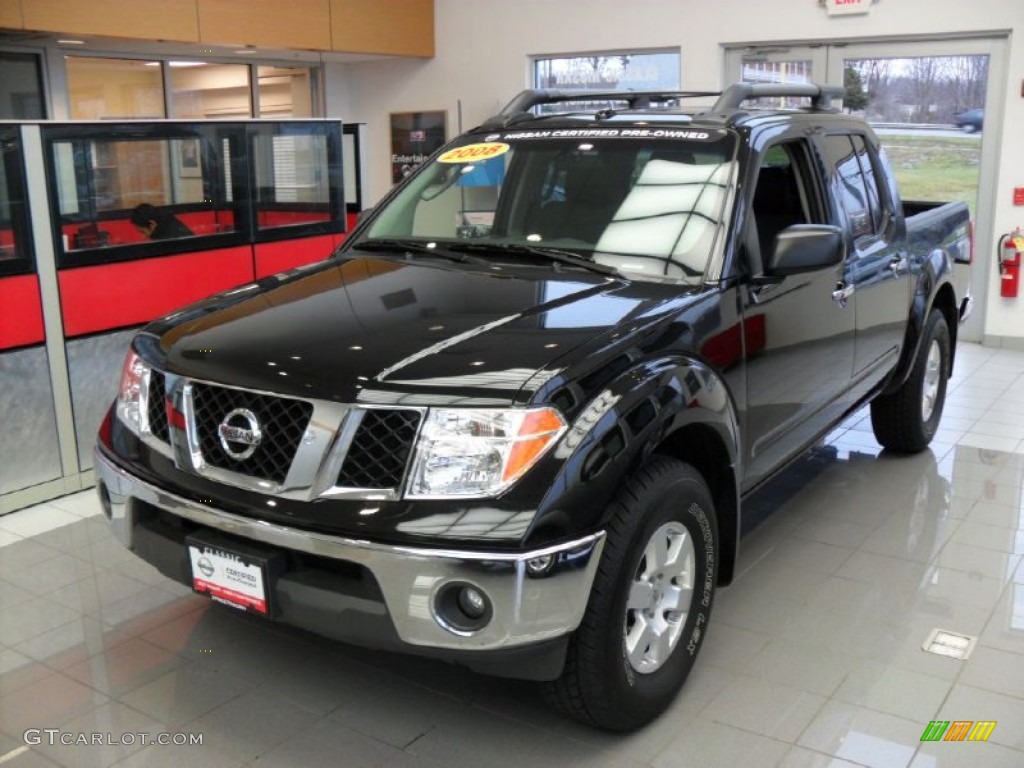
(821, 96)
(528, 99)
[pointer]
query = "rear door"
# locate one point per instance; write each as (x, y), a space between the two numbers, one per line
(879, 265)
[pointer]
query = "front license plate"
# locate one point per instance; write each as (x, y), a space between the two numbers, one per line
(229, 577)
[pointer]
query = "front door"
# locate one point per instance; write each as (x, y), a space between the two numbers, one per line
(801, 339)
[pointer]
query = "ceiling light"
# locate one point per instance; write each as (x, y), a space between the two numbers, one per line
(187, 63)
(71, 42)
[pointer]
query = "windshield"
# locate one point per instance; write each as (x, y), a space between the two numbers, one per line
(645, 204)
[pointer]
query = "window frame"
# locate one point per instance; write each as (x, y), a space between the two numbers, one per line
(16, 178)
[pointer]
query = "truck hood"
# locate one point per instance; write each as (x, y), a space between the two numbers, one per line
(373, 330)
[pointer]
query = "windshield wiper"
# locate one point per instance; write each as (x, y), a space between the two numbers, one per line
(549, 254)
(409, 247)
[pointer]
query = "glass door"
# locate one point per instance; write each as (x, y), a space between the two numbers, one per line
(929, 103)
(777, 66)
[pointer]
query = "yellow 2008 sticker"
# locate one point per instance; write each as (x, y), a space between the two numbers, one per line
(472, 153)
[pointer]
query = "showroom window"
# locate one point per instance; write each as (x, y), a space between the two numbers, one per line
(21, 87)
(615, 71)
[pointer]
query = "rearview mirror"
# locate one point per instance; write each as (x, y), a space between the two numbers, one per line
(805, 248)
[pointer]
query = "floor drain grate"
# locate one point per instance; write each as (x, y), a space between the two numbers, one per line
(951, 644)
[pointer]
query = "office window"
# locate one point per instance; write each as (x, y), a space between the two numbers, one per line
(118, 192)
(21, 89)
(210, 91)
(293, 184)
(287, 91)
(109, 89)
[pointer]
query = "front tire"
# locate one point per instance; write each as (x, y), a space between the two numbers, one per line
(650, 603)
(907, 419)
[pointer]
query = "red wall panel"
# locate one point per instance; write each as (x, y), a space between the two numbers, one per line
(21, 312)
(133, 292)
(266, 219)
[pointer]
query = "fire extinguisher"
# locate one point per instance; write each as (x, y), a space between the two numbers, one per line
(1010, 248)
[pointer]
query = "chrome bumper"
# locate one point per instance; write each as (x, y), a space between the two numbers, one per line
(526, 609)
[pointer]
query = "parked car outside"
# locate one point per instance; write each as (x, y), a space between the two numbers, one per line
(969, 121)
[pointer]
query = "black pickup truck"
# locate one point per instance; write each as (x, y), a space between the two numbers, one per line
(512, 421)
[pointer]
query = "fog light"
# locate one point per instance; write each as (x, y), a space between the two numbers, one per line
(472, 602)
(462, 608)
(540, 565)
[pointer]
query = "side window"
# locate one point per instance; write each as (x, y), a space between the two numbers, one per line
(784, 194)
(867, 169)
(849, 185)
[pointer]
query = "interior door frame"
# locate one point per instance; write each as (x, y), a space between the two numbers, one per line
(827, 58)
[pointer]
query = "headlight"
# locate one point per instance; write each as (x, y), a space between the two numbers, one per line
(479, 452)
(134, 376)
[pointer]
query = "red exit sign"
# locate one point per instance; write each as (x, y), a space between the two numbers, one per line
(840, 7)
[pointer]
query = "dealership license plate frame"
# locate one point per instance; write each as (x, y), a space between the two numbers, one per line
(249, 586)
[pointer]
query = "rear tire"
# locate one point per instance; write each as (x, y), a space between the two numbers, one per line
(650, 603)
(906, 420)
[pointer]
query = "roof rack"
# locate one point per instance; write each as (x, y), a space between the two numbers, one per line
(820, 95)
(729, 100)
(519, 108)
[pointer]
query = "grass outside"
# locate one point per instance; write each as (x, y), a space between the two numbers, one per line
(935, 168)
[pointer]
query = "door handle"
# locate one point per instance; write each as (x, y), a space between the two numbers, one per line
(898, 265)
(842, 292)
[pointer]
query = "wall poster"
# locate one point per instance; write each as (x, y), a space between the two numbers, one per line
(415, 136)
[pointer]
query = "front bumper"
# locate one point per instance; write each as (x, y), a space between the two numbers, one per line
(529, 609)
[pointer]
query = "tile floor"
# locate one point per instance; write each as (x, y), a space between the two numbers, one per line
(813, 657)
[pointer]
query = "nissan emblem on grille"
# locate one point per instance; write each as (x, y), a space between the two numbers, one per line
(247, 434)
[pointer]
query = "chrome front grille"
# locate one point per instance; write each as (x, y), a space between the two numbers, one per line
(380, 449)
(282, 423)
(304, 449)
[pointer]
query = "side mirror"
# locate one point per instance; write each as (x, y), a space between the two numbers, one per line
(806, 248)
